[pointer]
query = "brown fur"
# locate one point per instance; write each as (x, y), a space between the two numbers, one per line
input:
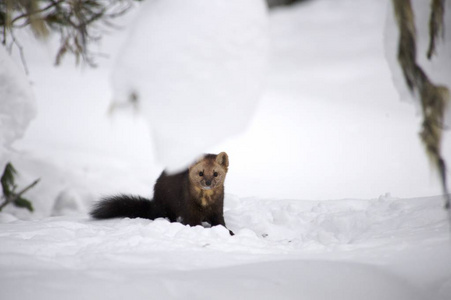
(191, 197)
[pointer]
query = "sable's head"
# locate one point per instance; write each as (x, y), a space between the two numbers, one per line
(210, 171)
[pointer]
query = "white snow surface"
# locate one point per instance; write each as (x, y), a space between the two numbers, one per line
(197, 69)
(330, 126)
(384, 248)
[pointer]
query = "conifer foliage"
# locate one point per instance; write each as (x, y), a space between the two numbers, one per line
(78, 23)
(9, 189)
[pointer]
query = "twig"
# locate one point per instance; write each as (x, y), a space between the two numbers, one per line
(36, 11)
(21, 53)
(4, 34)
(28, 187)
(14, 197)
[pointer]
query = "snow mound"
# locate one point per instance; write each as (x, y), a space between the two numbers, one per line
(196, 69)
(17, 103)
(68, 202)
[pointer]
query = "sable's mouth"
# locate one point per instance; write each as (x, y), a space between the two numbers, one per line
(206, 188)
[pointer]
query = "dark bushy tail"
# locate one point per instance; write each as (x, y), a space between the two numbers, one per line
(124, 206)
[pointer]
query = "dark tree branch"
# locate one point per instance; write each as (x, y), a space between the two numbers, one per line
(30, 14)
(14, 197)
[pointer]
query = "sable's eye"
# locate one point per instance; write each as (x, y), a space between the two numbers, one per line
(215, 174)
(201, 173)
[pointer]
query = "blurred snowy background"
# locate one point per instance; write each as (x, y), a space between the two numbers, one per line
(321, 119)
(329, 124)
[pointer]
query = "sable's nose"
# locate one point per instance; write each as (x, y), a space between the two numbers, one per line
(208, 182)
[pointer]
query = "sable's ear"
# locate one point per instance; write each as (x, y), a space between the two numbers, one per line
(223, 159)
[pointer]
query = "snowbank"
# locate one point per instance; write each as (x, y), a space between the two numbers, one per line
(17, 103)
(384, 248)
(196, 69)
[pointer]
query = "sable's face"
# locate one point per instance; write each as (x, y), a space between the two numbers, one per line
(209, 172)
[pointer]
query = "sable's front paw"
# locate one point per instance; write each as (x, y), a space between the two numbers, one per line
(231, 232)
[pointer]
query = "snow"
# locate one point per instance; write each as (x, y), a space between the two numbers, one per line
(289, 249)
(329, 126)
(196, 69)
(18, 105)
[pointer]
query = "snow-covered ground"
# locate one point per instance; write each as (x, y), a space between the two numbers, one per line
(329, 126)
(384, 248)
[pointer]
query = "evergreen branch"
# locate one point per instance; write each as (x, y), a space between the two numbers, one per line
(74, 21)
(7, 179)
(32, 13)
(9, 188)
(13, 197)
(28, 187)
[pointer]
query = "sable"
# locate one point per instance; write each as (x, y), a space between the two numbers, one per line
(190, 197)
